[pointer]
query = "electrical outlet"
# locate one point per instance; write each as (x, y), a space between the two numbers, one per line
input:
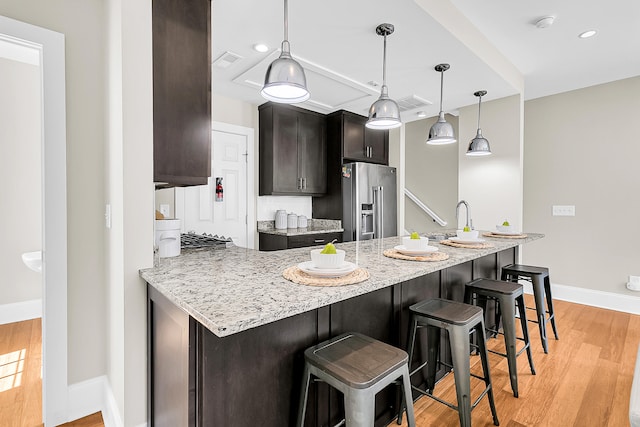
(564, 210)
(164, 210)
(634, 283)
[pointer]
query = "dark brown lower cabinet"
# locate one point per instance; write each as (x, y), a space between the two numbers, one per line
(276, 242)
(254, 377)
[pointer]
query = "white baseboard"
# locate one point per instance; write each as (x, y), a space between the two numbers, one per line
(91, 396)
(19, 311)
(592, 297)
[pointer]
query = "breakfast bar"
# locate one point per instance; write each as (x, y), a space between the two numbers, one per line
(227, 331)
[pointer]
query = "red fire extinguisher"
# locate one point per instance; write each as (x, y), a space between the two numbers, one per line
(219, 190)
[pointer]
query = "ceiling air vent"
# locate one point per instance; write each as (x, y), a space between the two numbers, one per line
(412, 102)
(226, 60)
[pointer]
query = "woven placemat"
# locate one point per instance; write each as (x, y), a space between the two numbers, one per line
(298, 276)
(504, 236)
(433, 256)
(466, 245)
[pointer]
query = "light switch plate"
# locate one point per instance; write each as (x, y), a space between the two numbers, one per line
(107, 215)
(564, 210)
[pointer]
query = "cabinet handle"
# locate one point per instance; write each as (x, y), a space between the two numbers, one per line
(318, 241)
(304, 183)
(299, 186)
(370, 152)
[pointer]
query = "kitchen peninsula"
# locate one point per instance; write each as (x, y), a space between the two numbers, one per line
(227, 332)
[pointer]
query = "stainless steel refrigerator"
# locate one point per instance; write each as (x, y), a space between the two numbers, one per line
(369, 201)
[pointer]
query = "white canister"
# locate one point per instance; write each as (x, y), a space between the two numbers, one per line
(281, 219)
(168, 237)
(292, 221)
(302, 221)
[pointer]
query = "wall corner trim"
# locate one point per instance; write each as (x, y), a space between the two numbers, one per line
(19, 311)
(91, 396)
(594, 298)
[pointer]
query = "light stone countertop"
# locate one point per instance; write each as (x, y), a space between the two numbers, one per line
(235, 289)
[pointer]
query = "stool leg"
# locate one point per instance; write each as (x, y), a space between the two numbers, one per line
(460, 355)
(433, 348)
(411, 342)
(407, 397)
(484, 357)
(552, 317)
(508, 325)
(304, 392)
(359, 408)
(525, 330)
(538, 295)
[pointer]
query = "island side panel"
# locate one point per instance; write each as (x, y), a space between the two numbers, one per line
(371, 314)
(414, 291)
(254, 377)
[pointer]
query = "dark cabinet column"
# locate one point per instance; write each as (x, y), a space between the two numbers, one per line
(285, 151)
(181, 91)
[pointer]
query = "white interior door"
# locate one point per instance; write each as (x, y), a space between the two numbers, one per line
(228, 216)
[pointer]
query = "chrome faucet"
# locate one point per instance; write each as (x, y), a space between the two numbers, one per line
(469, 220)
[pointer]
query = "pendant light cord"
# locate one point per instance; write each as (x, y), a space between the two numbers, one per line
(384, 62)
(441, 88)
(479, 105)
(286, 20)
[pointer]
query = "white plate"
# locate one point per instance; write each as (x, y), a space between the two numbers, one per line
(403, 250)
(506, 233)
(465, 241)
(310, 269)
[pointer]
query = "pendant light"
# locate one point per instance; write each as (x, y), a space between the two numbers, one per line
(441, 132)
(285, 81)
(479, 145)
(384, 113)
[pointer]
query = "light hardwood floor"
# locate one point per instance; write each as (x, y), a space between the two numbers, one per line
(585, 380)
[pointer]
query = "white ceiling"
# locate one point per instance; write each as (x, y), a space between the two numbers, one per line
(336, 43)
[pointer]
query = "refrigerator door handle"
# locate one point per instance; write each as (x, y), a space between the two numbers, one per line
(378, 209)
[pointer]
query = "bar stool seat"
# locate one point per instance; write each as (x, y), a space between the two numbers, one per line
(539, 278)
(359, 367)
(458, 319)
(507, 295)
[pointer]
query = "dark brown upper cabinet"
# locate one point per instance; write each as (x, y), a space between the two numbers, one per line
(359, 143)
(181, 92)
(293, 159)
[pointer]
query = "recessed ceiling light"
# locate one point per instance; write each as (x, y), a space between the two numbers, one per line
(421, 114)
(260, 47)
(588, 34)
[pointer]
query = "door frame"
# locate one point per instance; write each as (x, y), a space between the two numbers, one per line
(55, 396)
(249, 134)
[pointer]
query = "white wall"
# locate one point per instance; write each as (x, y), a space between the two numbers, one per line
(492, 185)
(432, 175)
(581, 149)
(82, 23)
(21, 175)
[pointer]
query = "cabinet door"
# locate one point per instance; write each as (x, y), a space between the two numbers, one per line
(353, 137)
(312, 153)
(181, 91)
(286, 178)
(376, 145)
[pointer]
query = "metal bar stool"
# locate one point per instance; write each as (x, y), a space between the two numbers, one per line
(507, 295)
(359, 367)
(458, 319)
(539, 278)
